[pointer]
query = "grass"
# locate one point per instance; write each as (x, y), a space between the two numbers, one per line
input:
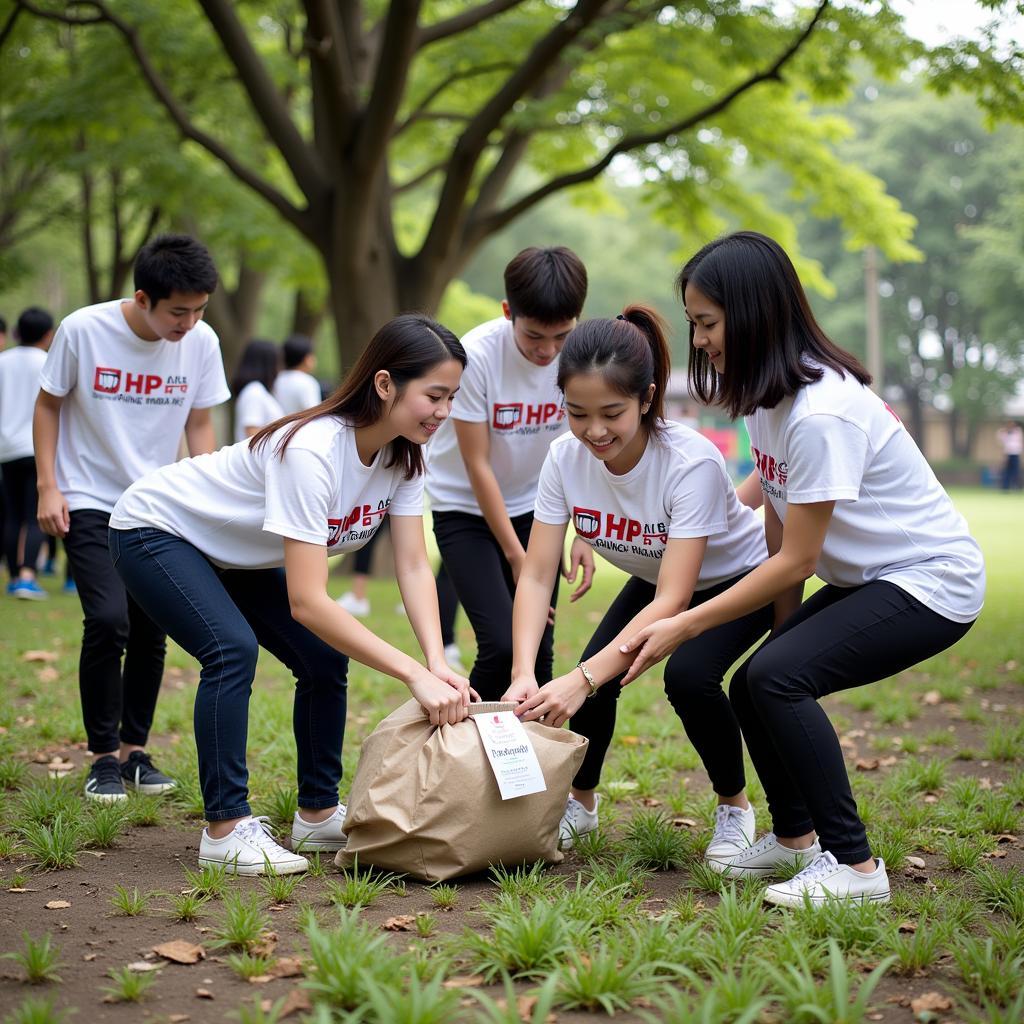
(632, 923)
(129, 902)
(129, 986)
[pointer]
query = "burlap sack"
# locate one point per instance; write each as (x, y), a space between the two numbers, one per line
(425, 802)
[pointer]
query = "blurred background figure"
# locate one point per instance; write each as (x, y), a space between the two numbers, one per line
(1011, 437)
(255, 406)
(19, 384)
(295, 387)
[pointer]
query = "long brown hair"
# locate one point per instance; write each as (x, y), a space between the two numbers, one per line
(408, 347)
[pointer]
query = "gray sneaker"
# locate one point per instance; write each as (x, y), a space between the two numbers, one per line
(104, 782)
(139, 774)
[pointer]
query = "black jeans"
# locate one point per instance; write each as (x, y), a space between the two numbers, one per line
(839, 638)
(117, 706)
(693, 685)
(483, 582)
(19, 477)
(222, 617)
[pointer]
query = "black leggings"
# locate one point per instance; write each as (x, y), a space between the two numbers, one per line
(693, 685)
(19, 477)
(839, 638)
(483, 581)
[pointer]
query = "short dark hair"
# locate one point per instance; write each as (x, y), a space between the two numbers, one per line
(548, 285)
(261, 361)
(631, 352)
(174, 263)
(296, 348)
(33, 325)
(771, 337)
(408, 347)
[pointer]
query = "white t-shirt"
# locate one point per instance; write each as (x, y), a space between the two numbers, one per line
(836, 440)
(126, 401)
(255, 407)
(296, 390)
(524, 410)
(19, 385)
(678, 489)
(235, 505)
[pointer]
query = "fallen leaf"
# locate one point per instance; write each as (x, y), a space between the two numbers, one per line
(401, 923)
(932, 697)
(866, 764)
(287, 967)
(143, 967)
(984, 782)
(525, 1006)
(178, 1018)
(1006, 838)
(297, 1001)
(650, 801)
(39, 656)
(47, 674)
(89, 957)
(916, 862)
(628, 741)
(995, 854)
(203, 993)
(907, 927)
(20, 888)
(265, 945)
(888, 761)
(57, 905)
(180, 951)
(931, 1001)
(684, 822)
(260, 979)
(930, 798)
(465, 981)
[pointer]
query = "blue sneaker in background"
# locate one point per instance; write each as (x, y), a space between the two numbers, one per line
(27, 590)
(69, 587)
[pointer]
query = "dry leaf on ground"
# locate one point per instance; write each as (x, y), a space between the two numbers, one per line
(401, 923)
(57, 905)
(931, 1001)
(180, 951)
(39, 656)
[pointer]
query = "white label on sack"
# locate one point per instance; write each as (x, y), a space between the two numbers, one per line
(513, 760)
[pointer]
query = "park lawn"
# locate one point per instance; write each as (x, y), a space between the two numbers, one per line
(631, 923)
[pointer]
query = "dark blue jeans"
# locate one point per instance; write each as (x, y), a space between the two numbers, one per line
(222, 617)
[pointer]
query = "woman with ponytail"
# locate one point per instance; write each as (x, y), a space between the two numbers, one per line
(228, 553)
(654, 498)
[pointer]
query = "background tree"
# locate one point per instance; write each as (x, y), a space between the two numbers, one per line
(400, 136)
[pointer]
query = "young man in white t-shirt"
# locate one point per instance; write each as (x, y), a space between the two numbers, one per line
(483, 468)
(19, 382)
(295, 387)
(123, 381)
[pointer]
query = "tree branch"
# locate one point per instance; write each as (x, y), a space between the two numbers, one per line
(9, 26)
(449, 211)
(394, 59)
(330, 64)
(266, 101)
(295, 216)
(445, 83)
(464, 21)
(488, 225)
(408, 186)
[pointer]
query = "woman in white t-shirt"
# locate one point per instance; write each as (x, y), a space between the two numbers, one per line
(848, 496)
(228, 553)
(654, 498)
(255, 405)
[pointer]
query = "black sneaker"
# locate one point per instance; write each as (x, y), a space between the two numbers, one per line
(139, 774)
(104, 782)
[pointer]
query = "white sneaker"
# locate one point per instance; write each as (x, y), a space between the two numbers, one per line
(765, 857)
(249, 849)
(453, 656)
(576, 822)
(327, 835)
(357, 606)
(825, 879)
(734, 832)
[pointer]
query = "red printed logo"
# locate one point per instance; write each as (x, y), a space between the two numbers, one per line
(107, 380)
(333, 532)
(587, 521)
(507, 416)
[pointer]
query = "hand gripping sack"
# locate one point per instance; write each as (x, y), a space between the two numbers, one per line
(425, 802)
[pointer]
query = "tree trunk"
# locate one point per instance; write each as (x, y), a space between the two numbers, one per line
(307, 315)
(233, 312)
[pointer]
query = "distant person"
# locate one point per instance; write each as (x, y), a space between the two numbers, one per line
(122, 382)
(1011, 437)
(19, 384)
(255, 406)
(296, 389)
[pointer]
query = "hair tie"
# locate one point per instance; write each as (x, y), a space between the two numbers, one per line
(619, 316)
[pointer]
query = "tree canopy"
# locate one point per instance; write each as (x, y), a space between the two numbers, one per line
(395, 137)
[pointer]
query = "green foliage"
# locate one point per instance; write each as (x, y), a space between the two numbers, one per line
(129, 986)
(39, 959)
